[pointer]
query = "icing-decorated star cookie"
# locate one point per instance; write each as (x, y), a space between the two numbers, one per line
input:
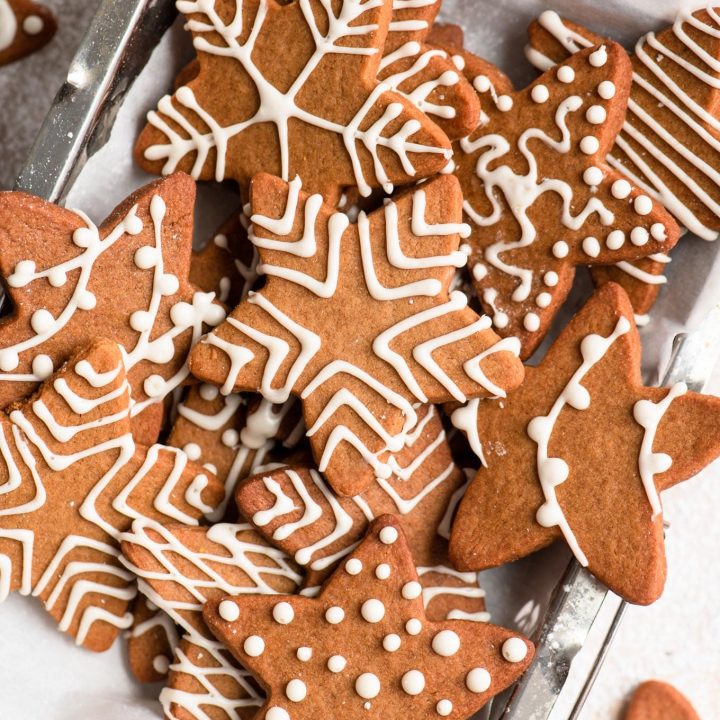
(365, 645)
(426, 74)
(654, 700)
(357, 321)
(63, 276)
(539, 195)
(582, 451)
(295, 509)
(25, 27)
(73, 480)
(181, 568)
(260, 102)
(668, 143)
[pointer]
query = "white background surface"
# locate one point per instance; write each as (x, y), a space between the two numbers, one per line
(42, 674)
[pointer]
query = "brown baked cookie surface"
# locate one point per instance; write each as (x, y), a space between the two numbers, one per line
(25, 26)
(654, 700)
(539, 194)
(582, 451)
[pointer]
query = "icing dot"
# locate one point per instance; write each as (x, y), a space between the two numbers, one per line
(228, 611)
(372, 611)
(540, 93)
(458, 61)
(481, 83)
(168, 284)
(620, 189)
(141, 320)
(565, 74)
(615, 239)
(42, 366)
(296, 690)
(591, 246)
(388, 535)
(446, 643)
(514, 650)
(276, 713)
(230, 438)
(146, 257)
(531, 321)
(334, 615)
(382, 571)
(221, 241)
(41, 321)
(596, 115)
(639, 236)
(208, 392)
(57, 277)
(391, 642)
(161, 664)
(182, 314)
(643, 205)
(254, 646)
(304, 653)
(336, 663)
(353, 566)
(504, 103)
(657, 231)
(411, 590)
(154, 385)
(479, 271)
(413, 626)
(367, 686)
(593, 176)
(444, 707)
(478, 680)
(560, 249)
(8, 360)
(413, 682)
(32, 25)
(606, 90)
(84, 237)
(193, 451)
(551, 278)
(543, 300)
(23, 273)
(599, 57)
(589, 145)
(86, 300)
(283, 613)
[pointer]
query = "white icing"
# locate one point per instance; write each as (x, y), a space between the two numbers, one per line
(367, 686)
(229, 611)
(446, 643)
(514, 650)
(412, 682)
(372, 611)
(478, 680)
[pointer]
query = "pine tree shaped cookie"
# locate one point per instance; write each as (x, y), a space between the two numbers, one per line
(669, 144)
(365, 645)
(582, 451)
(74, 479)
(25, 27)
(539, 195)
(358, 321)
(258, 100)
(70, 281)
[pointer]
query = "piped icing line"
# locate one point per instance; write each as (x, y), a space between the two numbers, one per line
(279, 107)
(471, 589)
(553, 471)
(649, 415)
(640, 126)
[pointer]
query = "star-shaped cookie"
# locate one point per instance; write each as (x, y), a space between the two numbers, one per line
(582, 450)
(25, 27)
(365, 645)
(70, 281)
(357, 320)
(72, 480)
(655, 700)
(181, 568)
(294, 508)
(426, 74)
(539, 195)
(259, 101)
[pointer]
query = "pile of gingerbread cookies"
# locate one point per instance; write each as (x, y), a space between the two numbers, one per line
(277, 464)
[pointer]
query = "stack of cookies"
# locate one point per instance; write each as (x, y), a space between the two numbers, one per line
(328, 402)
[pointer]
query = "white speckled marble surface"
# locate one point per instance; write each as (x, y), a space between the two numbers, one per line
(677, 639)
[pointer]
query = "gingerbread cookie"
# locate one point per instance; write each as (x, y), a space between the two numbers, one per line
(582, 451)
(539, 195)
(375, 333)
(25, 27)
(74, 479)
(426, 74)
(181, 568)
(654, 700)
(260, 100)
(62, 274)
(365, 645)
(151, 642)
(295, 509)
